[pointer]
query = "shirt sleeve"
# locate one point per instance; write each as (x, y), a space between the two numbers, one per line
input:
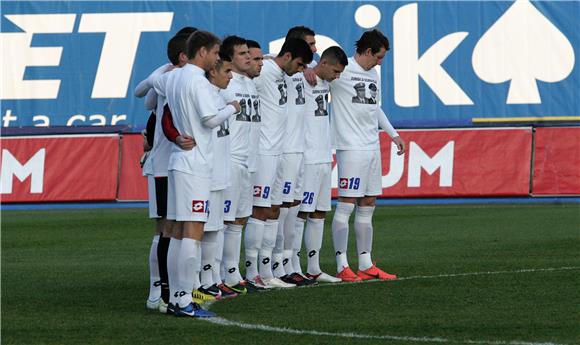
(145, 85)
(158, 84)
(385, 124)
(205, 101)
(151, 100)
(222, 115)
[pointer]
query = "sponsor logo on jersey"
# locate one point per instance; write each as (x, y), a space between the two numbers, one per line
(343, 183)
(257, 191)
(198, 206)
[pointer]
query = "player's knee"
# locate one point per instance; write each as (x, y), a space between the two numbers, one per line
(367, 201)
(260, 213)
(318, 214)
(241, 221)
(274, 212)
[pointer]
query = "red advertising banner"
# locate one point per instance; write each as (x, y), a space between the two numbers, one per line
(132, 184)
(59, 168)
(462, 162)
(557, 161)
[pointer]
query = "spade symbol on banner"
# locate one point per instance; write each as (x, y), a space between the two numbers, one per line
(523, 46)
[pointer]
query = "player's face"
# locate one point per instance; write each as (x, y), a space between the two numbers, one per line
(331, 72)
(211, 57)
(256, 62)
(241, 60)
(221, 76)
(377, 59)
(294, 66)
(311, 43)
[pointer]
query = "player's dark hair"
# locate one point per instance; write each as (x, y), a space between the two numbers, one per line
(224, 57)
(177, 45)
(373, 39)
(200, 39)
(186, 30)
(298, 48)
(299, 32)
(253, 44)
(228, 45)
(334, 55)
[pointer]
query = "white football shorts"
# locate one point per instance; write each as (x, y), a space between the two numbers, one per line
(238, 196)
(359, 173)
(215, 219)
(264, 179)
(191, 197)
(316, 194)
(288, 177)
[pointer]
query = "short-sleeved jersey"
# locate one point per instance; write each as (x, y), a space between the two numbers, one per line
(317, 124)
(294, 140)
(355, 98)
(221, 148)
(190, 98)
(240, 123)
(158, 160)
(256, 124)
(273, 91)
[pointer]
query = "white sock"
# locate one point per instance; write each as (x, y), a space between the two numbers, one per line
(268, 243)
(208, 254)
(287, 261)
(154, 278)
(289, 238)
(172, 271)
(313, 243)
(253, 242)
(219, 252)
(363, 227)
(297, 246)
(231, 256)
(278, 252)
(188, 266)
(340, 233)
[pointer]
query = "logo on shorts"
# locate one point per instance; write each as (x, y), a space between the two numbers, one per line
(343, 183)
(198, 206)
(257, 191)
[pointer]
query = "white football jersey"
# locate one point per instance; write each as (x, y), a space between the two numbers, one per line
(256, 124)
(241, 123)
(273, 91)
(221, 148)
(317, 124)
(294, 141)
(158, 159)
(355, 98)
(190, 97)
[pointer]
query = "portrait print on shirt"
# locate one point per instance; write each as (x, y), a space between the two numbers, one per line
(321, 102)
(373, 92)
(256, 117)
(224, 129)
(360, 93)
(283, 89)
(300, 90)
(243, 114)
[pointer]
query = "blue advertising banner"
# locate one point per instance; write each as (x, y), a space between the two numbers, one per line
(452, 63)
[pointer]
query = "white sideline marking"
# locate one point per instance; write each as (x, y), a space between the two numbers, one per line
(224, 322)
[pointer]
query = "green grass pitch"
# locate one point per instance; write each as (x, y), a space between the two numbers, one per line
(504, 274)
